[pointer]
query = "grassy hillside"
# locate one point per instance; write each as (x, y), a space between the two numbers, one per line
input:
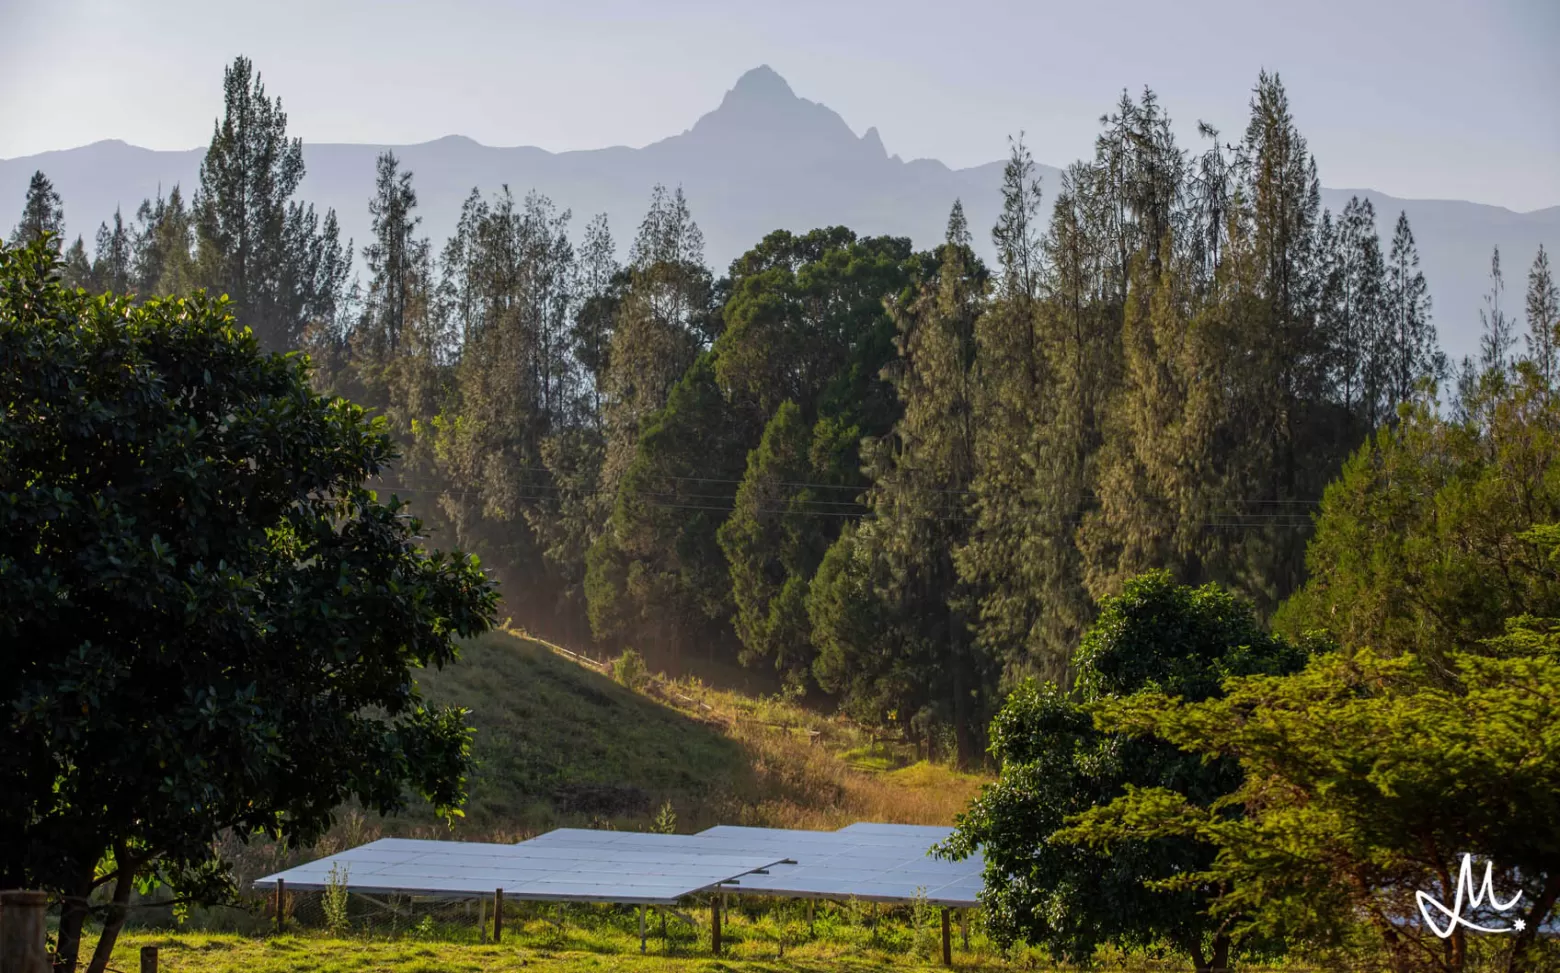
(560, 743)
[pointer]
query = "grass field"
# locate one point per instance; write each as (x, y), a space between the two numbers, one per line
(227, 953)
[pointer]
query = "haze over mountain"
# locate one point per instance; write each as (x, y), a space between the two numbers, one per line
(764, 159)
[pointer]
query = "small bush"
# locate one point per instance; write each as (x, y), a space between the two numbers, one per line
(334, 900)
(629, 670)
(665, 820)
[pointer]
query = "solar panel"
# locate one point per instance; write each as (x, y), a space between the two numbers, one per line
(870, 862)
(624, 867)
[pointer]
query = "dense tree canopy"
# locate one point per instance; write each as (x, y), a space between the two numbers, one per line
(210, 623)
(1042, 887)
(1428, 734)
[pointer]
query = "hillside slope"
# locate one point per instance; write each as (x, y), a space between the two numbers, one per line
(559, 743)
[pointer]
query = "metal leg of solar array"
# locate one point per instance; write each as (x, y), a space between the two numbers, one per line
(947, 940)
(715, 923)
(498, 915)
(964, 928)
(641, 929)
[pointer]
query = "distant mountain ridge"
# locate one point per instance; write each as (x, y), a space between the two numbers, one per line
(764, 159)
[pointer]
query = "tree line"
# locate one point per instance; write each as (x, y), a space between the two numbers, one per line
(898, 477)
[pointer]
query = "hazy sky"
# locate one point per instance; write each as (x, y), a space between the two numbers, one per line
(1436, 98)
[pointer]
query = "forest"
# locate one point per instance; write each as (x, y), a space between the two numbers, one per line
(897, 481)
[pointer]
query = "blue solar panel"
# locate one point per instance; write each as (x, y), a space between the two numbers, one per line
(627, 868)
(872, 862)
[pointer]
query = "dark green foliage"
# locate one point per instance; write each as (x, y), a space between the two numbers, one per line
(255, 244)
(658, 572)
(1070, 897)
(210, 624)
(916, 661)
(42, 213)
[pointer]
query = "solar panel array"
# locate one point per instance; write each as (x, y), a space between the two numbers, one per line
(870, 862)
(577, 866)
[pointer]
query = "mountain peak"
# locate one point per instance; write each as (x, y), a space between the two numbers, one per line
(762, 82)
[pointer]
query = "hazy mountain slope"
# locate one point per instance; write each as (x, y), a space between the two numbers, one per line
(764, 159)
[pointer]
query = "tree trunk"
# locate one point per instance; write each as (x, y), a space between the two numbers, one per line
(1216, 962)
(1522, 958)
(117, 911)
(73, 915)
(1221, 953)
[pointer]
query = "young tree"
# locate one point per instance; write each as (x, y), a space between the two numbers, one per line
(214, 625)
(1498, 332)
(42, 212)
(1051, 888)
(1543, 320)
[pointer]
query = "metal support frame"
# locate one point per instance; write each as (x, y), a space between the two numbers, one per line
(498, 915)
(715, 904)
(641, 928)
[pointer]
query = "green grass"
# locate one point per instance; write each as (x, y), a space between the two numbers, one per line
(558, 743)
(606, 940)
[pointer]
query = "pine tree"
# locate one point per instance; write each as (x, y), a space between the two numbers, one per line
(929, 671)
(1498, 332)
(42, 213)
(247, 177)
(599, 291)
(662, 321)
(1353, 313)
(1004, 561)
(111, 264)
(162, 260)
(391, 256)
(75, 269)
(1017, 233)
(1543, 320)
(1291, 438)
(1413, 354)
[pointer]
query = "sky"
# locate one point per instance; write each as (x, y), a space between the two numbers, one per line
(1447, 99)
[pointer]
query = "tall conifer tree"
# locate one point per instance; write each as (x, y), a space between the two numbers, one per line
(41, 213)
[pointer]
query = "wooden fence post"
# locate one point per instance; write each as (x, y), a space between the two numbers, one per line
(947, 940)
(715, 924)
(22, 931)
(498, 915)
(148, 959)
(281, 905)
